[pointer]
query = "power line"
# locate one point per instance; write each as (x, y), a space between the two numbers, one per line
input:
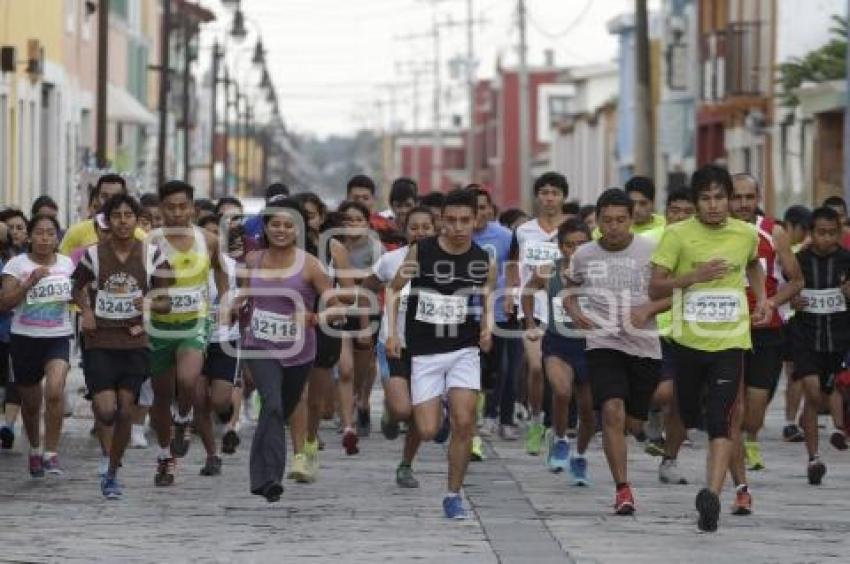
(566, 31)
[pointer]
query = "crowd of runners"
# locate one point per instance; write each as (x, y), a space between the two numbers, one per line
(555, 326)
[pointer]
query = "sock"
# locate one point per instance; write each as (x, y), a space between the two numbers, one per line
(565, 438)
(814, 458)
(183, 419)
(36, 450)
(622, 485)
(164, 452)
(453, 494)
(742, 488)
(48, 454)
(579, 455)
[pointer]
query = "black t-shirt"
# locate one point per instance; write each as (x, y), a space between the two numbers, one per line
(823, 276)
(445, 299)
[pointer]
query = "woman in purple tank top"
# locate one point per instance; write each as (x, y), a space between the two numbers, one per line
(279, 288)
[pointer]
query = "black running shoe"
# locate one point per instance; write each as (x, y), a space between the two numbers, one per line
(708, 505)
(229, 442)
(164, 472)
(212, 467)
(7, 438)
(180, 440)
(272, 492)
(816, 472)
(792, 434)
(364, 423)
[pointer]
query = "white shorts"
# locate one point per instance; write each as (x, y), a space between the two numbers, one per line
(146, 394)
(432, 375)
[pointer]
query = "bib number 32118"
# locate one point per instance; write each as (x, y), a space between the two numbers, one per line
(274, 327)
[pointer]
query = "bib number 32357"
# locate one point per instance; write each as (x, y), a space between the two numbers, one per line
(712, 307)
(438, 309)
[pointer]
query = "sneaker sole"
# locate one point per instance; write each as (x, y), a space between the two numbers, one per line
(625, 509)
(741, 510)
(708, 506)
(837, 444)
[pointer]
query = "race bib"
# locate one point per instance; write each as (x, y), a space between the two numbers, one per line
(186, 300)
(709, 306)
(50, 289)
(438, 309)
(540, 252)
(115, 306)
(274, 327)
(403, 297)
(823, 302)
(560, 314)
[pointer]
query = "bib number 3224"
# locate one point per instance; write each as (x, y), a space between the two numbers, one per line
(185, 300)
(274, 327)
(50, 289)
(540, 252)
(115, 306)
(712, 307)
(438, 309)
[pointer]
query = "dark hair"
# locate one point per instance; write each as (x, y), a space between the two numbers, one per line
(614, 197)
(349, 204)
(176, 187)
(422, 210)
(109, 179)
(798, 216)
(43, 201)
(275, 190)
(403, 189)
(360, 181)
(509, 216)
(9, 213)
(586, 210)
(333, 220)
(149, 200)
(433, 200)
(214, 218)
(642, 185)
(555, 179)
(115, 201)
(572, 225)
(571, 208)
(826, 213)
(226, 200)
(310, 198)
(835, 202)
(710, 174)
(205, 205)
(678, 194)
(36, 218)
(280, 204)
(462, 197)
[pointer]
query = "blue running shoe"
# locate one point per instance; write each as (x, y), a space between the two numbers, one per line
(110, 488)
(453, 507)
(559, 455)
(578, 468)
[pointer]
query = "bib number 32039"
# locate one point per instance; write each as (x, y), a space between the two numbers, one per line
(712, 307)
(438, 309)
(50, 289)
(274, 327)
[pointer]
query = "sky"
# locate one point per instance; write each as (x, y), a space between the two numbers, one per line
(342, 65)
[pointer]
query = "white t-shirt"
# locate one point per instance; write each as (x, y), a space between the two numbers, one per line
(536, 247)
(220, 334)
(44, 312)
(385, 270)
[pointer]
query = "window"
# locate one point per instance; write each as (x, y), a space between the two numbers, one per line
(120, 8)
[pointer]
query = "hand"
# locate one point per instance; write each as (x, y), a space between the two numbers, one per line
(139, 303)
(88, 322)
(640, 316)
(762, 313)
(485, 340)
(36, 275)
(393, 347)
(797, 303)
(509, 303)
(533, 333)
(714, 269)
(584, 323)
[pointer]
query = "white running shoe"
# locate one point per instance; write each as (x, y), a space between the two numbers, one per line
(137, 437)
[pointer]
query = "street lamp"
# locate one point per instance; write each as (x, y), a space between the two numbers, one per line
(259, 53)
(238, 32)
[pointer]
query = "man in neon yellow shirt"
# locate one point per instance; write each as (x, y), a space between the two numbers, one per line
(641, 190)
(702, 263)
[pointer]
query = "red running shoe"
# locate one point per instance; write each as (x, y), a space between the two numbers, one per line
(624, 502)
(349, 442)
(743, 502)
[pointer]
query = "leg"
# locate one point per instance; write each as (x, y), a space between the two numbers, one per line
(31, 399)
(203, 414)
(364, 375)
(534, 358)
(793, 394)
(613, 438)
(587, 419)
(427, 417)
(560, 375)
(809, 421)
(345, 384)
(123, 424)
(298, 424)
(462, 417)
(318, 385)
(268, 448)
(190, 361)
(398, 398)
(56, 371)
(163, 395)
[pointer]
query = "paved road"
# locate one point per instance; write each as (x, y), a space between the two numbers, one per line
(355, 513)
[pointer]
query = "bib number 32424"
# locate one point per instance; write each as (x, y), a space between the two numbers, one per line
(438, 309)
(712, 307)
(274, 327)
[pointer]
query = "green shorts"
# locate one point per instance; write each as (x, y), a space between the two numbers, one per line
(164, 346)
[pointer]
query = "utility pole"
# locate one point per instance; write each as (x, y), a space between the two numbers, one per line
(102, 81)
(643, 140)
(524, 117)
(216, 54)
(164, 77)
(187, 75)
(846, 155)
(470, 78)
(437, 134)
(226, 136)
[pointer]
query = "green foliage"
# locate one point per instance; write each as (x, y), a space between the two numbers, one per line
(825, 63)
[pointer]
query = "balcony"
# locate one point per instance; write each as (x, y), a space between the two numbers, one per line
(736, 62)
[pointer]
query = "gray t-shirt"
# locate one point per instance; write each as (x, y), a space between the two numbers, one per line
(614, 282)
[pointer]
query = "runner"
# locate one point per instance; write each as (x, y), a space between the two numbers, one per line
(83, 234)
(623, 350)
(533, 245)
(763, 364)
(820, 328)
(178, 338)
(447, 274)
(434, 202)
(705, 258)
(641, 190)
(563, 357)
(11, 397)
(150, 205)
(109, 286)
(37, 286)
(282, 283)
(402, 200)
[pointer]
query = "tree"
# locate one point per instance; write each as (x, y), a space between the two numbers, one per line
(823, 64)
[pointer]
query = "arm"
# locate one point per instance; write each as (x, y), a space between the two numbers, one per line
(526, 299)
(81, 278)
(14, 291)
(790, 267)
(573, 309)
(512, 276)
(488, 317)
(392, 299)
(762, 312)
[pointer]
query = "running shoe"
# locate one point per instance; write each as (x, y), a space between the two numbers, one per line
(364, 423)
(743, 501)
(7, 437)
(624, 501)
(838, 440)
(816, 472)
(212, 466)
(558, 455)
(36, 466)
(229, 441)
(272, 493)
(51, 464)
(404, 477)
(445, 428)
(164, 472)
(708, 506)
(300, 469)
(508, 432)
(180, 440)
(753, 453)
(137, 437)
(110, 488)
(477, 451)
(389, 427)
(488, 427)
(103, 466)
(654, 447)
(668, 472)
(349, 442)
(534, 438)
(578, 469)
(792, 434)
(311, 451)
(453, 507)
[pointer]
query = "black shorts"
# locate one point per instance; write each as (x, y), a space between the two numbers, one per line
(668, 360)
(710, 377)
(30, 356)
(113, 369)
(763, 364)
(808, 362)
(400, 367)
(5, 367)
(328, 348)
(218, 365)
(571, 351)
(617, 375)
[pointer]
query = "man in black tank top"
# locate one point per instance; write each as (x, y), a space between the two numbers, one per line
(449, 319)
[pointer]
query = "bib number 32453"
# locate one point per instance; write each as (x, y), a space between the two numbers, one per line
(50, 289)
(274, 327)
(712, 307)
(438, 309)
